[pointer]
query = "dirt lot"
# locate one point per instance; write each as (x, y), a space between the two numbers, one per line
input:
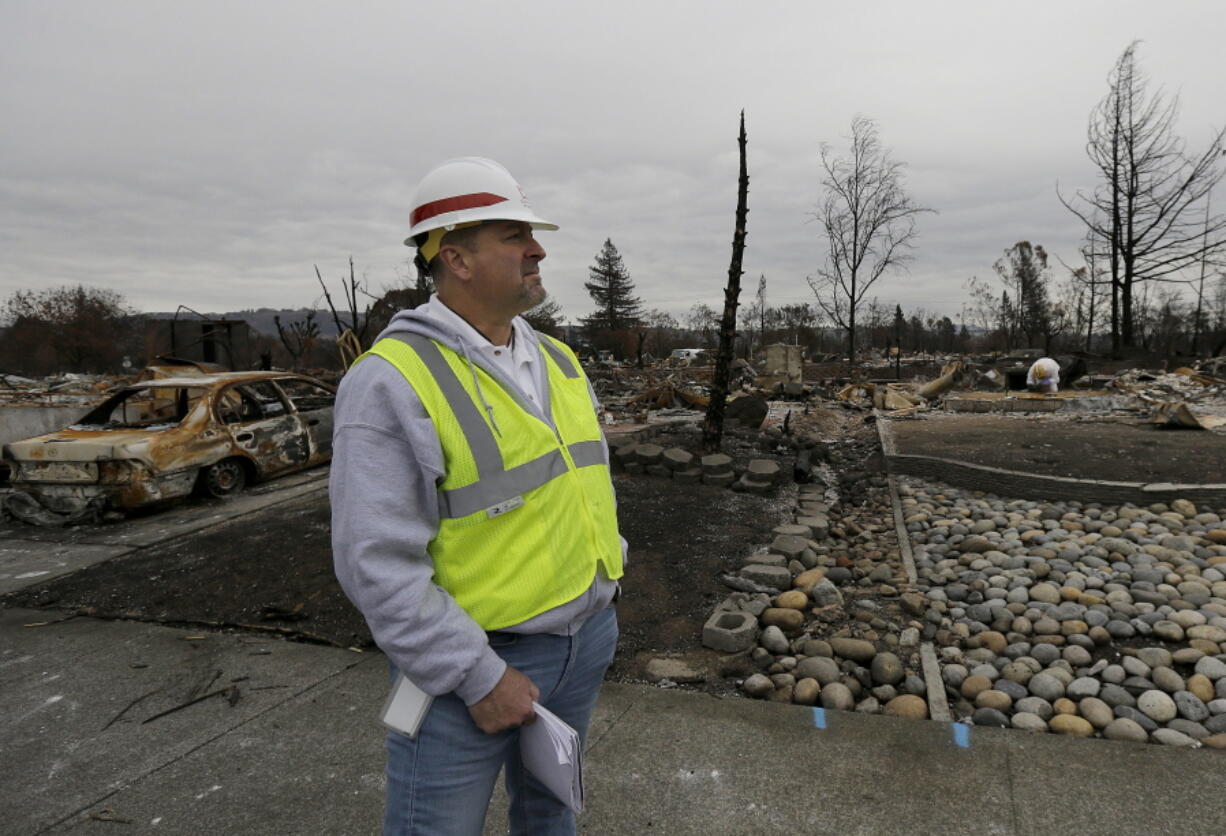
(1122, 450)
(242, 575)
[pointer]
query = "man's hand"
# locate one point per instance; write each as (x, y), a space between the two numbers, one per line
(508, 706)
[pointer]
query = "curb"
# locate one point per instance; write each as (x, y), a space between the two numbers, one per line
(1034, 486)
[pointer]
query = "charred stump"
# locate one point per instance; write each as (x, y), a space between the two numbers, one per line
(713, 425)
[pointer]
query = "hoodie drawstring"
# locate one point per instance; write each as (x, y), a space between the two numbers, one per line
(489, 410)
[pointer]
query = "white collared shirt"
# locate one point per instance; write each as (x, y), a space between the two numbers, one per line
(519, 361)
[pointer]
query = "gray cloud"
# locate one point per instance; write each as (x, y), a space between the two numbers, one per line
(209, 155)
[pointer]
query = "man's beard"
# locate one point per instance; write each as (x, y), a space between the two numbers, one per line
(532, 296)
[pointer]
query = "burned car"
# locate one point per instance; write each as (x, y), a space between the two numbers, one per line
(162, 439)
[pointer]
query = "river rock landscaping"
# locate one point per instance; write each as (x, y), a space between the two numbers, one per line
(1075, 618)
(1081, 619)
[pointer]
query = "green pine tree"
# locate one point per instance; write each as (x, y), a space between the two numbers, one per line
(612, 290)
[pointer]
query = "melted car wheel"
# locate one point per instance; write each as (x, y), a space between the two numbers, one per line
(224, 478)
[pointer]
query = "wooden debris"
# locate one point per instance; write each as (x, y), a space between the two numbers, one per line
(1177, 415)
(949, 375)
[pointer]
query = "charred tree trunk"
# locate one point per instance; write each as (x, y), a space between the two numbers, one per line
(713, 426)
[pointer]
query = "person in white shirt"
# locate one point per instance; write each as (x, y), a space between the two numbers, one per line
(1044, 376)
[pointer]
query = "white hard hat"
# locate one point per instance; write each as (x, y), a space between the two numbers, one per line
(468, 190)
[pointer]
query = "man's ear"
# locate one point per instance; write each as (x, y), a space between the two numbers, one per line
(457, 260)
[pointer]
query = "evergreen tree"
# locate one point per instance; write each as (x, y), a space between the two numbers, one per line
(612, 290)
(1024, 271)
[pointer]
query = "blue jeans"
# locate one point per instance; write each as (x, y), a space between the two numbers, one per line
(441, 782)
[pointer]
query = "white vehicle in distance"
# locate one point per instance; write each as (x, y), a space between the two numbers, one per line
(688, 356)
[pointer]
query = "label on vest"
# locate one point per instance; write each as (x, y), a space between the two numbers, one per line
(504, 506)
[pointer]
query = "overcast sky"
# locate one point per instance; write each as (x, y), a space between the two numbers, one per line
(208, 154)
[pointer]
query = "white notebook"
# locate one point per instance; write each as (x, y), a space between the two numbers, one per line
(406, 706)
(550, 750)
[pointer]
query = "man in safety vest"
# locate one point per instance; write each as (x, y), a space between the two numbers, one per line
(473, 517)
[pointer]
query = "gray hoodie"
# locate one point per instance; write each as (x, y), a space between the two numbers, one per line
(386, 465)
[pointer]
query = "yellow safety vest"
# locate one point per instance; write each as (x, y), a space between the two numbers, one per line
(526, 514)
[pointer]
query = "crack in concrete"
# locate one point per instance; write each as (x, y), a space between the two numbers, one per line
(617, 720)
(182, 755)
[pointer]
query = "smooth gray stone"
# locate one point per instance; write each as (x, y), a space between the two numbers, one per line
(1115, 696)
(825, 594)
(1035, 705)
(1045, 654)
(1124, 728)
(1155, 656)
(1045, 686)
(1191, 707)
(1096, 619)
(825, 670)
(1137, 685)
(1144, 597)
(1170, 737)
(1130, 713)
(772, 639)
(954, 675)
(838, 574)
(1212, 667)
(990, 717)
(1077, 656)
(887, 669)
(1191, 728)
(1082, 687)
(1167, 679)
(1016, 691)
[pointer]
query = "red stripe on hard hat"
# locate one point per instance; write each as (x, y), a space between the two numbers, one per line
(453, 204)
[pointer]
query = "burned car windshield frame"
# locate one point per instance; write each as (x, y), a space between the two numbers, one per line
(161, 413)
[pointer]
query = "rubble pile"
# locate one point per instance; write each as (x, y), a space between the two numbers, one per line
(65, 389)
(1180, 385)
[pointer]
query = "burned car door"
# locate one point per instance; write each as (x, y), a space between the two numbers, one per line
(262, 425)
(313, 402)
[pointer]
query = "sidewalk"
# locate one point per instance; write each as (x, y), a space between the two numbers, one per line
(300, 752)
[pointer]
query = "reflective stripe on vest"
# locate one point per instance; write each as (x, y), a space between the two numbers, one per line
(526, 507)
(496, 484)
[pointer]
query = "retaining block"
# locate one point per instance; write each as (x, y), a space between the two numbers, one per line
(730, 632)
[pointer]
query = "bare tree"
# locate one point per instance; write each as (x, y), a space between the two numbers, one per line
(1198, 320)
(358, 322)
(299, 337)
(662, 329)
(753, 320)
(869, 223)
(702, 320)
(1145, 209)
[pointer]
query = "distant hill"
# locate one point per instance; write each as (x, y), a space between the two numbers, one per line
(262, 320)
